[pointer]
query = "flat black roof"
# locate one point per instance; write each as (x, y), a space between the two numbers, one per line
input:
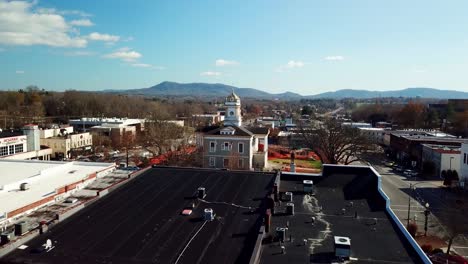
(10, 133)
(142, 221)
(336, 200)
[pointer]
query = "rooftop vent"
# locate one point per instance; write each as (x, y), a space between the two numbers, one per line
(308, 186)
(24, 186)
(342, 247)
(201, 193)
(281, 234)
(290, 208)
(209, 215)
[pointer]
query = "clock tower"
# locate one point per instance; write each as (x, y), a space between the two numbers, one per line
(233, 110)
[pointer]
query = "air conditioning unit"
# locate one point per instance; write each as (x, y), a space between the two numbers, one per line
(281, 234)
(209, 215)
(201, 193)
(21, 228)
(288, 196)
(24, 186)
(6, 237)
(290, 208)
(342, 247)
(308, 186)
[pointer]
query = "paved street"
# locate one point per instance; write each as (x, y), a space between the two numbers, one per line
(397, 187)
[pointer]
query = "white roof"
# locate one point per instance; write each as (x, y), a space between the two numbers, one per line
(104, 120)
(17, 170)
(44, 177)
(372, 128)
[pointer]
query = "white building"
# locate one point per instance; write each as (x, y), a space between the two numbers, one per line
(357, 124)
(268, 121)
(83, 124)
(26, 185)
(442, 156)
(23, 144)
(233, 146)
(374, 134)
(12, 143)
(464, 163)
(63, 145)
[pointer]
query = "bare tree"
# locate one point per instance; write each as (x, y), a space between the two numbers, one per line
(335, 143)
(159, 136)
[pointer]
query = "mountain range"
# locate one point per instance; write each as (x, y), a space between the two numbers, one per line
(209, 90)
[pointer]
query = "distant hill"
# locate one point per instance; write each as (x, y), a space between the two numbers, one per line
(203, 90)
(210, 90)
(408, 92)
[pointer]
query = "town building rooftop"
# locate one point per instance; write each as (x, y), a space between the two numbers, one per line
(345, 202)
(143, 223)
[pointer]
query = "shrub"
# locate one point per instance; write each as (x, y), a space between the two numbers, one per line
(455, 176)
(443, 174)
(412, 229)
(427, 248)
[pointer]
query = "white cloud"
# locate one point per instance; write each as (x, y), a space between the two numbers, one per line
(19, 72)
(142, 65)
(146, 65)
(103, 37)
(290, 65)
(82, 23)
(77, 53)
(294, 64)
(43, 10)
(125, 54)
(210, 73)
(221, 62)
(21, 25)
(334, 58)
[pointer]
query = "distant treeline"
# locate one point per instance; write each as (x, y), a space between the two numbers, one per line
(38, 105)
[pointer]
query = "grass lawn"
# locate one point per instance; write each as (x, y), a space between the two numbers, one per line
(316, 164)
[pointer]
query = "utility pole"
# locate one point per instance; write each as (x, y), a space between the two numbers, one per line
(409, 206)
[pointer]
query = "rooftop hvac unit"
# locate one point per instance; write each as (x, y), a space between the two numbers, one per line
(288, 197)
(209, 215)
(290, 208)
(281, 234)
(308, 186)
(201, 193)
(21, 228)
(24, 186)
(5, 238)
(342, 247)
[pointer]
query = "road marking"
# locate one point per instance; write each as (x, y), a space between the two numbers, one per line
(460, 247)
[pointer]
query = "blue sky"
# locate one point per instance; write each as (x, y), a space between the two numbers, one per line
(302, 46)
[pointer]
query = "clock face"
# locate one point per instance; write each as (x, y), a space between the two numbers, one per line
(231, 113)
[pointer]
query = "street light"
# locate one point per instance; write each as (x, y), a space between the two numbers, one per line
(426, 214)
